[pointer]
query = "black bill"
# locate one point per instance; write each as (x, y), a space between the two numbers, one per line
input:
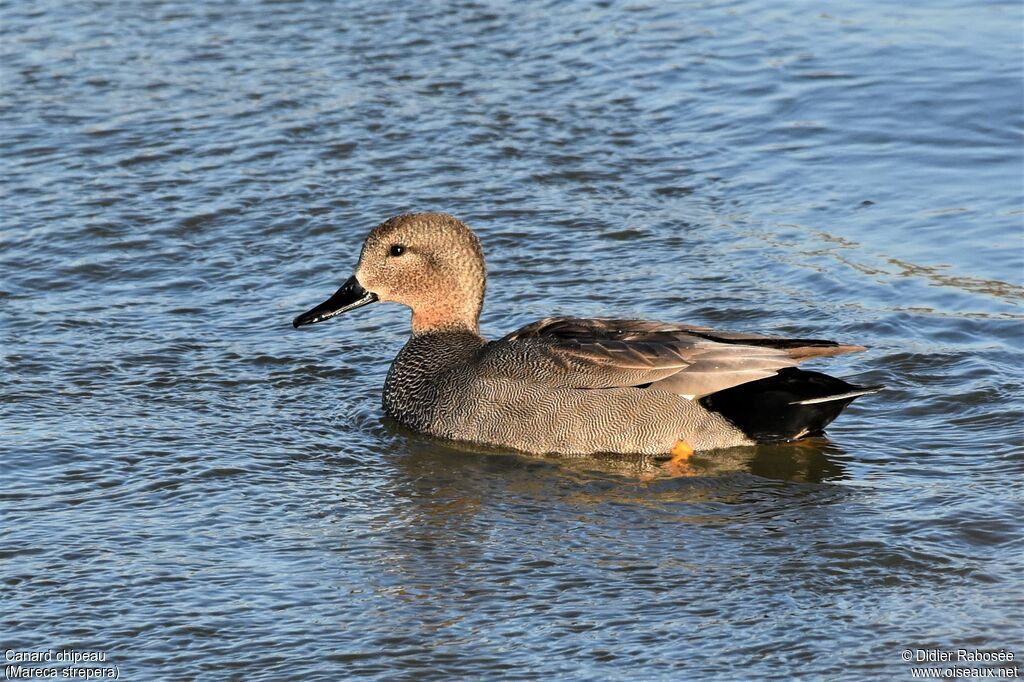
(350, 296)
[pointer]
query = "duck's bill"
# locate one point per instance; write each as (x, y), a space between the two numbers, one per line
(350, 296)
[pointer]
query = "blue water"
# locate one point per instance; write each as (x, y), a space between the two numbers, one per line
(198, 490)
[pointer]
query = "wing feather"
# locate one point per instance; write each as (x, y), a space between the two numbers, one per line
(604, 353)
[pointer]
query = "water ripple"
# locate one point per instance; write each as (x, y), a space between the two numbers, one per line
(197, 489)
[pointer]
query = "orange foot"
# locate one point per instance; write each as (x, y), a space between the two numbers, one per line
(679, 464)
(681, 452)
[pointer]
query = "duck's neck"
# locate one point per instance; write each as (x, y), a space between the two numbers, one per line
(453, 305)
(426, 322)
(446, 318)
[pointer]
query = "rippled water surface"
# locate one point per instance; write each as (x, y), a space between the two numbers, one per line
(197, 489)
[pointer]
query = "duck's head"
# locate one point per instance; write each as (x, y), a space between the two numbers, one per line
(430, 262)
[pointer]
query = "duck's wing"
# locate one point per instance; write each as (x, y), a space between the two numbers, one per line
(688, 360)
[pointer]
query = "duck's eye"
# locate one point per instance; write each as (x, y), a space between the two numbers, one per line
(397, 250)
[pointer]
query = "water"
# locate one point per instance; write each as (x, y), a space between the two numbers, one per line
(197, 489)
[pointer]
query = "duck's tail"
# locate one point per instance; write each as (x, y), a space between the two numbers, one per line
(792, 404)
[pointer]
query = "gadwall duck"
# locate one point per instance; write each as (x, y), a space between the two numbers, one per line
(568, 385)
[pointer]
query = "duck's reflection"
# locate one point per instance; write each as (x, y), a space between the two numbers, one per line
(458, 529)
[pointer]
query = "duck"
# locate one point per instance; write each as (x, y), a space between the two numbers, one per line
(567, 385)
